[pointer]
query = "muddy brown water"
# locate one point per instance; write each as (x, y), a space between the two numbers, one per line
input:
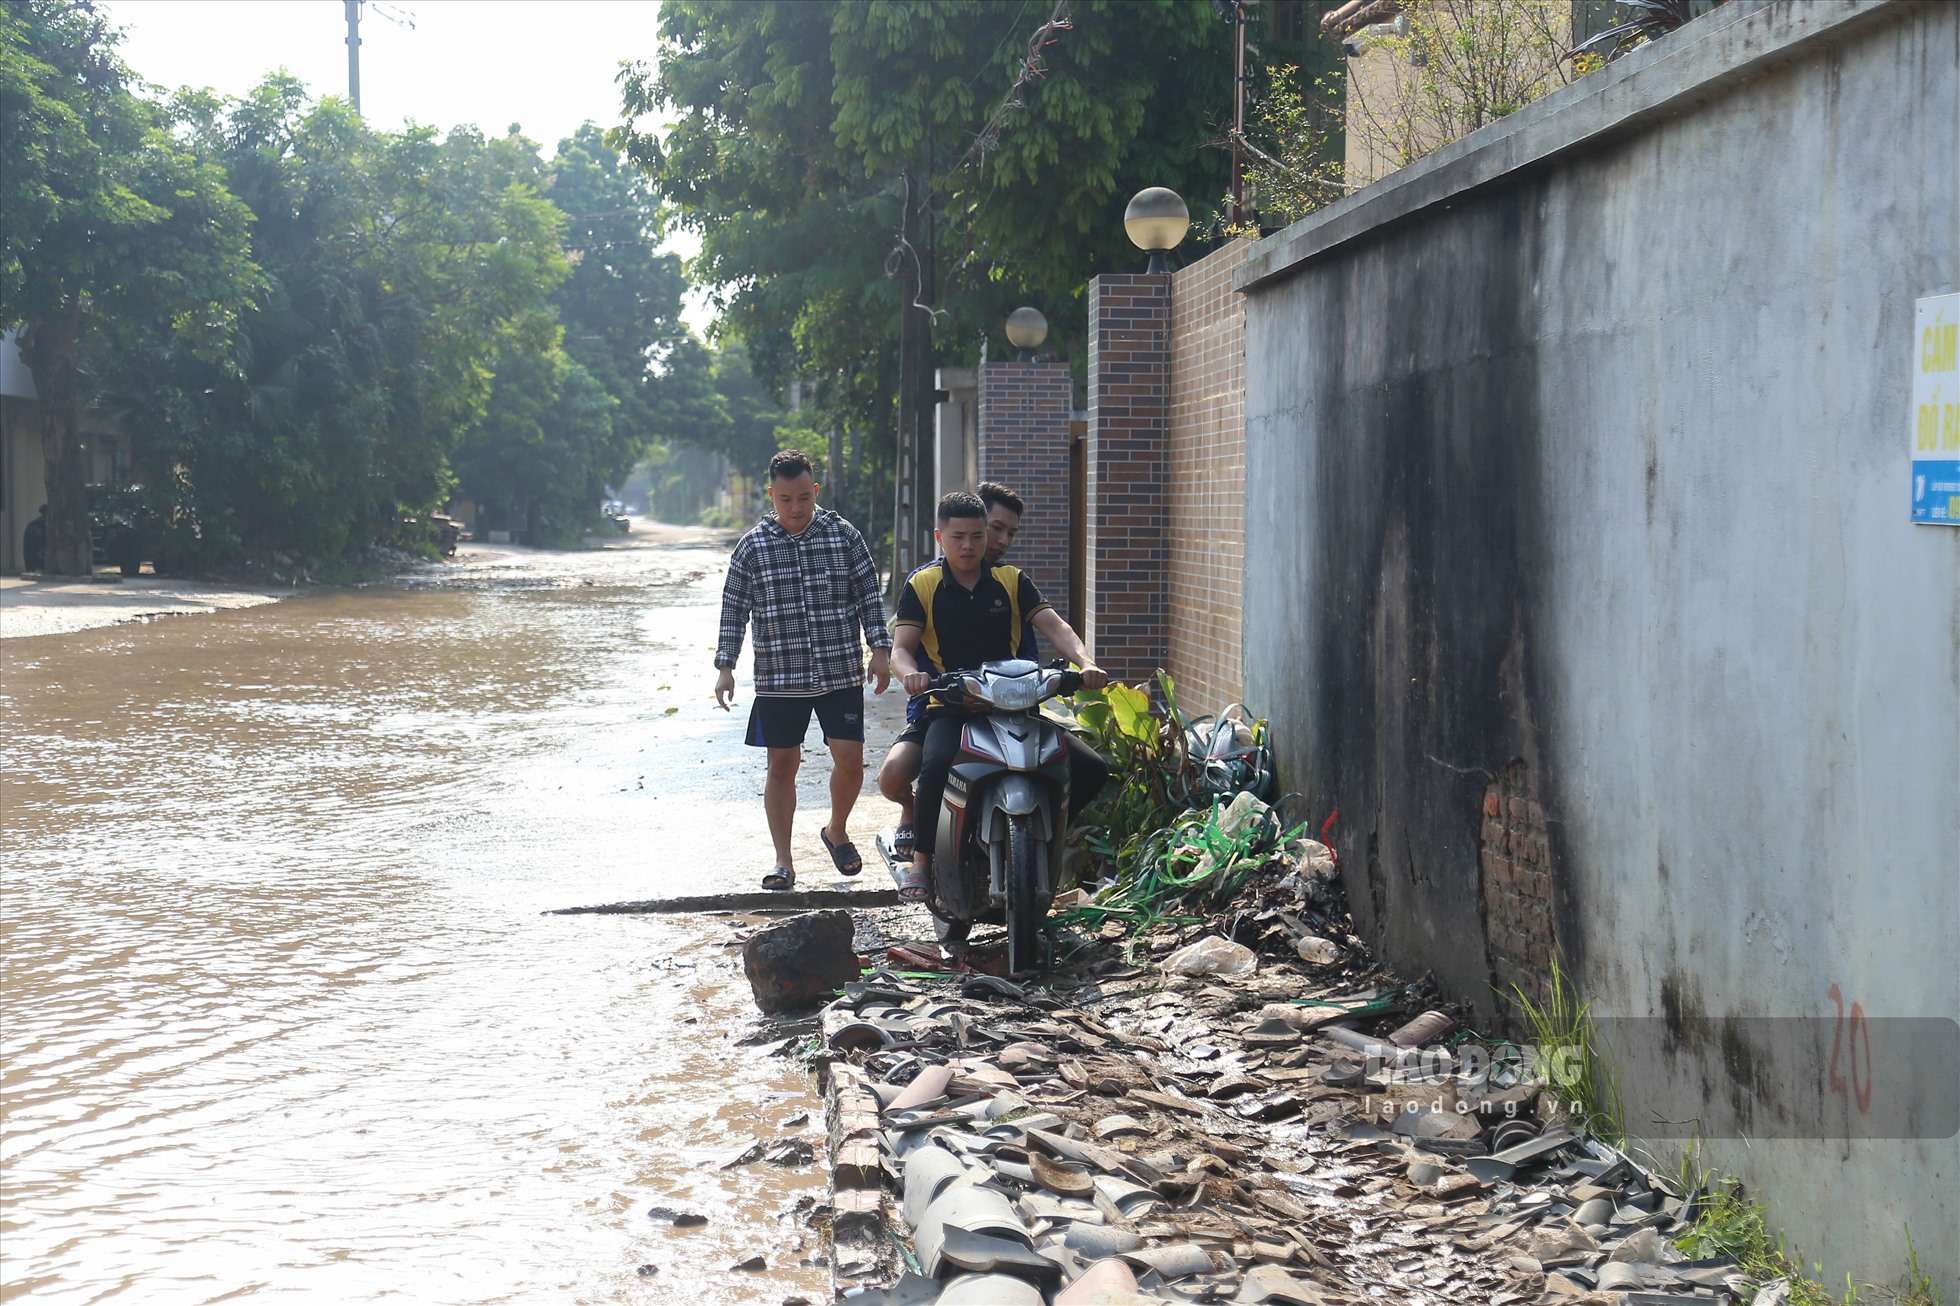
(280, 1014)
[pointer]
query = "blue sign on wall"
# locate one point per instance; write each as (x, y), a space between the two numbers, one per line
(1936, 411)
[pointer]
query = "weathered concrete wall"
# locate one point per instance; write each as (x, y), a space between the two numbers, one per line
(1581, 571)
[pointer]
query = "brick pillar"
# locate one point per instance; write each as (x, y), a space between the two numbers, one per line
(1024, 414)
(1128, 474)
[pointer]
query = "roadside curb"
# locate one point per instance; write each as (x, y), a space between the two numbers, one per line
(798, 900)
(863, 1252)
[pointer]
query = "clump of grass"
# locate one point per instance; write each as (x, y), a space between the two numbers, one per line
(1572, 1063)
(1728, 1223)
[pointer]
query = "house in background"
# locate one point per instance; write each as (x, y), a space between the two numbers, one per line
(23, 469)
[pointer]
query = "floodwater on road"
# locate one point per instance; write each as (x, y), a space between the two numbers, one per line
(280, 1015)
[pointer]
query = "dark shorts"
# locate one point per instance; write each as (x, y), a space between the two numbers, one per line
(783, 722)
(915, 722)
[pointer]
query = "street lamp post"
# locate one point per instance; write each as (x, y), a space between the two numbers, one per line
(1026, 329)
(1156, 221)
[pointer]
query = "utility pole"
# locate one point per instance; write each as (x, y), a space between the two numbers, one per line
(1234, 12)
(1238, 119)
(354, 53)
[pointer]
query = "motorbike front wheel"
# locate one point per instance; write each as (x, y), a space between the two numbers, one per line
(1025, 909)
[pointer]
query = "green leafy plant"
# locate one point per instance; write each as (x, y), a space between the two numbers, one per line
(1292, 167)
(1445, 69)
(1573, 1063)
(1146, 756)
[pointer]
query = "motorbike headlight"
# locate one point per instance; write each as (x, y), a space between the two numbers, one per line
(1016, 693)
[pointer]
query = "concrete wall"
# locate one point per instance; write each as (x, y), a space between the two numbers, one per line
(1577, 464)
(1205, 498)
(956, 427)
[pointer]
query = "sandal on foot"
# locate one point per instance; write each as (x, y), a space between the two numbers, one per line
(914, 885)
(844, 856)
(902, 843)
(782, 877)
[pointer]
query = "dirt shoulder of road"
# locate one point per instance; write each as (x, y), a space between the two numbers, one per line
(35, 606)
(69, 604)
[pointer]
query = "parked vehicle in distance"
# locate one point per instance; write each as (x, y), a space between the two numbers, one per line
(449, 532)
(122, 532)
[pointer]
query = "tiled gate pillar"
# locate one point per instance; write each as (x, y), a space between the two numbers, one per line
(1024, 445)
(1128, 474)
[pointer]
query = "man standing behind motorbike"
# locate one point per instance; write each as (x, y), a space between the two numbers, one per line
(954, 617)
(806, 583)
(901, 764)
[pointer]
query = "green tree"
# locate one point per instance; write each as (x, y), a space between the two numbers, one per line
(877, 184)
(544, 446)
(753, 413)
(1460, 65)
(621, 303)
(399, 267)
(114, 238)
(1293, 166)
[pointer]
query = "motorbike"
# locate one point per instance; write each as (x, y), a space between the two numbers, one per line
(1004, 816)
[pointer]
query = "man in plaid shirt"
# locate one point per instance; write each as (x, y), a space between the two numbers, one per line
(805, 580)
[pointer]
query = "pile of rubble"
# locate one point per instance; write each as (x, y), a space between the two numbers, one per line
(1219, 1125)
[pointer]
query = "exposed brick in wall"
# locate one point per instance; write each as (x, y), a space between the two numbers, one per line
(1128, 469)
(1517, 873)
(1024, 445)
(1206, 454)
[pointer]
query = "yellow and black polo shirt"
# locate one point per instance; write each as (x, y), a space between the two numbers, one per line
(963, 628)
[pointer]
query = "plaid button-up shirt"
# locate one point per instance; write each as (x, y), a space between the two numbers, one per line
(807, 595)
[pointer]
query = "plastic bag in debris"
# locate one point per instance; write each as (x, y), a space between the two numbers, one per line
(1213, 955)
(1231, 753)
(1242, 813)
(1311, 860)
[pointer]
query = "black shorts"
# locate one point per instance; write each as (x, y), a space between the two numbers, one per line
(915, 723)
(776, 722)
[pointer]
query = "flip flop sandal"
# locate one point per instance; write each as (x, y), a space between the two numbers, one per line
(780, 878)
(844, 856)
(914, 885)
(902, 843)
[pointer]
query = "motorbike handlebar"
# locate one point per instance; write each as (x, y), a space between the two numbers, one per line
(953, 682)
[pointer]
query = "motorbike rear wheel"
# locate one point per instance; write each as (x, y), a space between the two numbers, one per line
(1025, 909)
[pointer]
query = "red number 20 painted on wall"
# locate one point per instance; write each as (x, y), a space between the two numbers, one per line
(1846, 1043)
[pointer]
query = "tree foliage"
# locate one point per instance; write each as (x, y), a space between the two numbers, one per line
(863, 173)
(1293, 167)
(400, 269)
(621, 303)
(845, 164)
(1460, 65)
(112, 236)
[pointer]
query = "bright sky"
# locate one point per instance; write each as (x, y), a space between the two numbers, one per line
(547, 65)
